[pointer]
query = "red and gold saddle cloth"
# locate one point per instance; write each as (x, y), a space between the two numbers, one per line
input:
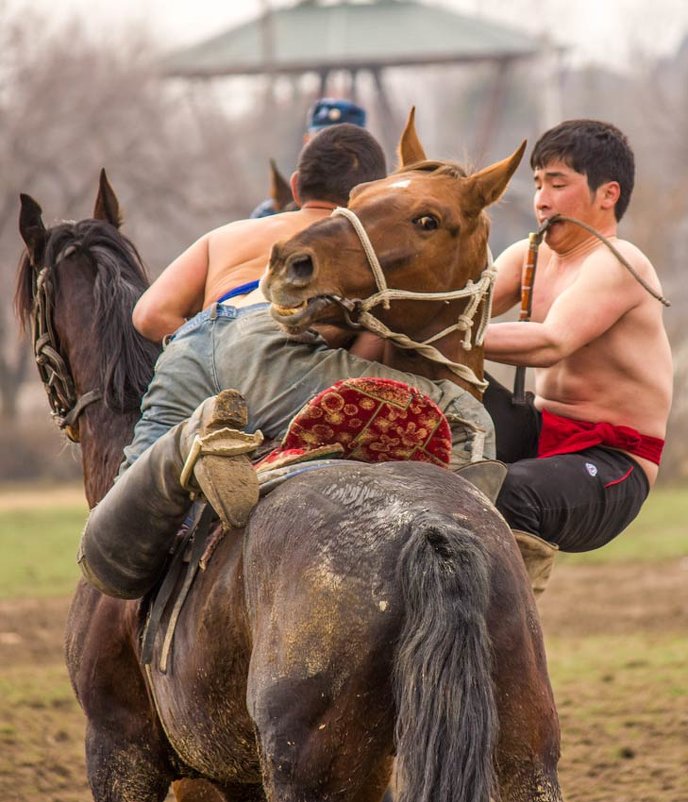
(366, 419)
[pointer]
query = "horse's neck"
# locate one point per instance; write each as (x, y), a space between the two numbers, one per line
(449, 346)
(412, 362)
(103, 435)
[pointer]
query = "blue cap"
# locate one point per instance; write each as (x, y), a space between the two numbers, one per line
(332, 111)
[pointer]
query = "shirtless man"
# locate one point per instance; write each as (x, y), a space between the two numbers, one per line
(590, 451)
(211, 289)
(325, 112)
(227, 262)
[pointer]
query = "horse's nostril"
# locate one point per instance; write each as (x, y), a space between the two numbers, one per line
(301, 269)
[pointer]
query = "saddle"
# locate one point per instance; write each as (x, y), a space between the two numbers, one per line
(363, 419)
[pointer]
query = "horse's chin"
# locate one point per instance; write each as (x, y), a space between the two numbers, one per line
(296, 319)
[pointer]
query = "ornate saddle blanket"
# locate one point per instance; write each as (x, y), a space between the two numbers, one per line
(369, 420)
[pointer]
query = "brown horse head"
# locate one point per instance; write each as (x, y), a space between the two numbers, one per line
(428, 229)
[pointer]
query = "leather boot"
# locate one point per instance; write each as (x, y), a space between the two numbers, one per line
(130, 533)
(538, 556)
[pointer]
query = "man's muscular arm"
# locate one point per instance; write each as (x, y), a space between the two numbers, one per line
(175, 295)
(601, 294)
(507, 287)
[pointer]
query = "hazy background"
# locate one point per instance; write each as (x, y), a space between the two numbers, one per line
(81, 88)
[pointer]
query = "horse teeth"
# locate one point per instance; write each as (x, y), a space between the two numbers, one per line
(286, 311)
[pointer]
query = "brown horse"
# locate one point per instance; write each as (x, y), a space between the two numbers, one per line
(365, 612)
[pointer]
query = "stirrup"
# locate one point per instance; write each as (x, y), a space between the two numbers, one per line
(225, 442)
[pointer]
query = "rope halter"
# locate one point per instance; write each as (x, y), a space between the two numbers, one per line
(476, 292)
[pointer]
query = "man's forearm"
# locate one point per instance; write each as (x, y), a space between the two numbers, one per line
(527, 344)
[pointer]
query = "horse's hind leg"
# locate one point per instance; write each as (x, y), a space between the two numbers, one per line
(528, 746)
(313, 747)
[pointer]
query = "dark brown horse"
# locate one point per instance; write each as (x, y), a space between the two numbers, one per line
(366, 612)
(77, 286)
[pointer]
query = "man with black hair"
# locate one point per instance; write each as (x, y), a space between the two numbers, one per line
(586, 452)
(324, 113)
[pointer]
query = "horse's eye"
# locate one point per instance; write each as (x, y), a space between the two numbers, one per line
(427, 222)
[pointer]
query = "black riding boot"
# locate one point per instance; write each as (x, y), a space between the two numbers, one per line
(129, 534)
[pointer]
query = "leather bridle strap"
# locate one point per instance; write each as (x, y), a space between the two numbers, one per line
(66, 406)
(476, 292)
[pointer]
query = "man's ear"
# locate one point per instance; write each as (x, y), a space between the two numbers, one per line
(609, 194)
(294, 184)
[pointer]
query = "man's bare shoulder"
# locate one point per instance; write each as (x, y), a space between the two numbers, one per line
(273, 227)
(604, 263)
(513, 255)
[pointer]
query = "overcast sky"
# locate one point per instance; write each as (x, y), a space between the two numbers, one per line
(608, 31)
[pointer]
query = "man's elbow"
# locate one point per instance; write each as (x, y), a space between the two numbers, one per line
(146, 322)
(549, 355)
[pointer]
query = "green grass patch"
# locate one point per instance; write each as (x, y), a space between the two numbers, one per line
(660, 532)
(39, 551)
(39, 544)
(49, 687)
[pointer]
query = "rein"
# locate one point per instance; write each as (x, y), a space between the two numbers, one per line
(560, 218)
(476, 292)
(64, 402)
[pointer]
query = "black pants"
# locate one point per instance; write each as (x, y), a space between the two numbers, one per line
(578, 501)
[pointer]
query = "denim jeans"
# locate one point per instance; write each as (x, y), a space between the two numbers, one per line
(224, 347)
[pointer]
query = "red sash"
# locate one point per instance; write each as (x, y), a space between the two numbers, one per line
(561, 435)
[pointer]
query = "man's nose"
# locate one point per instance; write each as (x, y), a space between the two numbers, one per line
(542, 199)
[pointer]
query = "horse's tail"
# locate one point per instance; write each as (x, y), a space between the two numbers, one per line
(446, 715)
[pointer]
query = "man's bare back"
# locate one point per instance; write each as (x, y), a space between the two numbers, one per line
(219, 261)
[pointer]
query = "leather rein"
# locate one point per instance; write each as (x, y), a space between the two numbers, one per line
(65, 403)
(475, 292)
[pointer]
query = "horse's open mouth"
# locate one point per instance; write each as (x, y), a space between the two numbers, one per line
(296, 319)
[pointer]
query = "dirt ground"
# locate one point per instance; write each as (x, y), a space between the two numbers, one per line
(616, 640)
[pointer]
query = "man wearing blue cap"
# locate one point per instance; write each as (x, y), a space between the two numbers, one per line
(332, 111)
(322, 114)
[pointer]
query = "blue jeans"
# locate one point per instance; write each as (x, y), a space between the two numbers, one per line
(224, 347)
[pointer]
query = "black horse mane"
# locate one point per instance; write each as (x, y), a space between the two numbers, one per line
(127, 358)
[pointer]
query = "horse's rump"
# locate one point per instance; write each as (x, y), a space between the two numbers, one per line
(327, 580)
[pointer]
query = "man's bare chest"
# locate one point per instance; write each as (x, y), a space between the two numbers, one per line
(550, 283)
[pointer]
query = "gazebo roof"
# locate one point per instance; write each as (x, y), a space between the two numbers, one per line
(311, 36)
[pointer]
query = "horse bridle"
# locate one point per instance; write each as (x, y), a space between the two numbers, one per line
(475, 292)
(64, 402)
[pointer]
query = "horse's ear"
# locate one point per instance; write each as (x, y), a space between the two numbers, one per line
(280, 191)
(409, 149)
(32, 230)
(107, 205)
(488, 185)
